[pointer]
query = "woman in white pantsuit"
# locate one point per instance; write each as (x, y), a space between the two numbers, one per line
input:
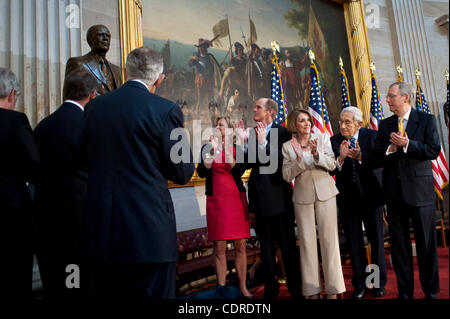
(308, 158)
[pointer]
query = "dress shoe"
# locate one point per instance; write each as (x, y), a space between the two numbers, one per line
(404, 297)
(359, 293)
(378, 292)
(431, 296)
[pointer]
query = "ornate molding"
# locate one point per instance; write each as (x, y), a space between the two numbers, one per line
(130, 19)
(360, 54)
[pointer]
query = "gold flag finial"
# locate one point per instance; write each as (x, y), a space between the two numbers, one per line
(417, 73)
(341, 63)
(399, 73)
(372, 67)
(275, 47)
(446, 74)
(312, 57)
(399, 70)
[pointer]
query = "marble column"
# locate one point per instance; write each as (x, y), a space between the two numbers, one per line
(36, 46)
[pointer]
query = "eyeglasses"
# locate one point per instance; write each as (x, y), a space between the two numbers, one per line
(346, 123)
(391, 96)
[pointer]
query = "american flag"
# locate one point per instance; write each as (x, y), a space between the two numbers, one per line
(277, 93)
(345, 101)
(317, 106)
(439, 165)
(376, 111)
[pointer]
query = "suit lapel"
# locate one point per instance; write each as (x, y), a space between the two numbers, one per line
(95, 70)
(412, 124)
(362, 138)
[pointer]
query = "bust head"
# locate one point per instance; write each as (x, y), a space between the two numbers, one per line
(99, 39)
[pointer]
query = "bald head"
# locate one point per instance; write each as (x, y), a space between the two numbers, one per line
(99, 39)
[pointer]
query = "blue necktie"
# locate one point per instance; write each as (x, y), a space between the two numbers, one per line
(353, 145)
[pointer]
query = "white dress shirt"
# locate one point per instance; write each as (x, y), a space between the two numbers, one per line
(76, 103)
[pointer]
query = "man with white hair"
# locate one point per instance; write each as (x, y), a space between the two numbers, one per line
(406, 143)
(130, 228)
(359, 199)
(19, 158)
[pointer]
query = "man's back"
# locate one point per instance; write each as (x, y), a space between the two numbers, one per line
(129, 210)
(19, 158)
(60, 196)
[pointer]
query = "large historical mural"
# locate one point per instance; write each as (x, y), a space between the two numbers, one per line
(217, 55)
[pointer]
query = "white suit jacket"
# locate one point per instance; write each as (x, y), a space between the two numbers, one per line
(311, 177)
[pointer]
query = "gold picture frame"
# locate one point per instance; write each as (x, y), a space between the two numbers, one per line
(131, 37)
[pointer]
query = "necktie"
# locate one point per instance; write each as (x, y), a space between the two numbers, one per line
(353, 145)
(103, 68)
(401, 129)
(352, 142)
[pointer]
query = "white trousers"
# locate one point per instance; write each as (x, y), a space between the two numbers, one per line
(324, 213)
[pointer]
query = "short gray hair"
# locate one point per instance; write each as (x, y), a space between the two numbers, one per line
(270, 104)
(9, 82)
(405, 89)
(144, 64)
(357, 114)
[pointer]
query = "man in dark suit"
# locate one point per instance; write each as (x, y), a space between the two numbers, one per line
(59, 197)
(107, 75)
(270, 197)
(405, 145)
(133, 138)
(19, 160)
(359, 199)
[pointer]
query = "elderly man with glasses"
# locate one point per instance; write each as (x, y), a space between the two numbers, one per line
(359, 199)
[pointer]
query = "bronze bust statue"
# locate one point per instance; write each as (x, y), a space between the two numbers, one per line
(107, 74)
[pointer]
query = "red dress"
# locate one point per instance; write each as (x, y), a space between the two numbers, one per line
(226, 210)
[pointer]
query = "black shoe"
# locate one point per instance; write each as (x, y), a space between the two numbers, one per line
(359, 293)
(431, 296)
(378, 292)
(404, 297)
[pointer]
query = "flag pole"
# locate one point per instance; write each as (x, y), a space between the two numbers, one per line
(229, 39)
(341, 65)
(372, 71)
(419, 89)
(312, 57)
(275, 49)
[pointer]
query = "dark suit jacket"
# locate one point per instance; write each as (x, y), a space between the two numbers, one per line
(90, 63)
(19, 162)
(413, 169)
(60, 196)
(269, 194)
(129, 210)
(368, 180)
(237, 171)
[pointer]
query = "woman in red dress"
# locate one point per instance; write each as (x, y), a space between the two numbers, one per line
(226, 203)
